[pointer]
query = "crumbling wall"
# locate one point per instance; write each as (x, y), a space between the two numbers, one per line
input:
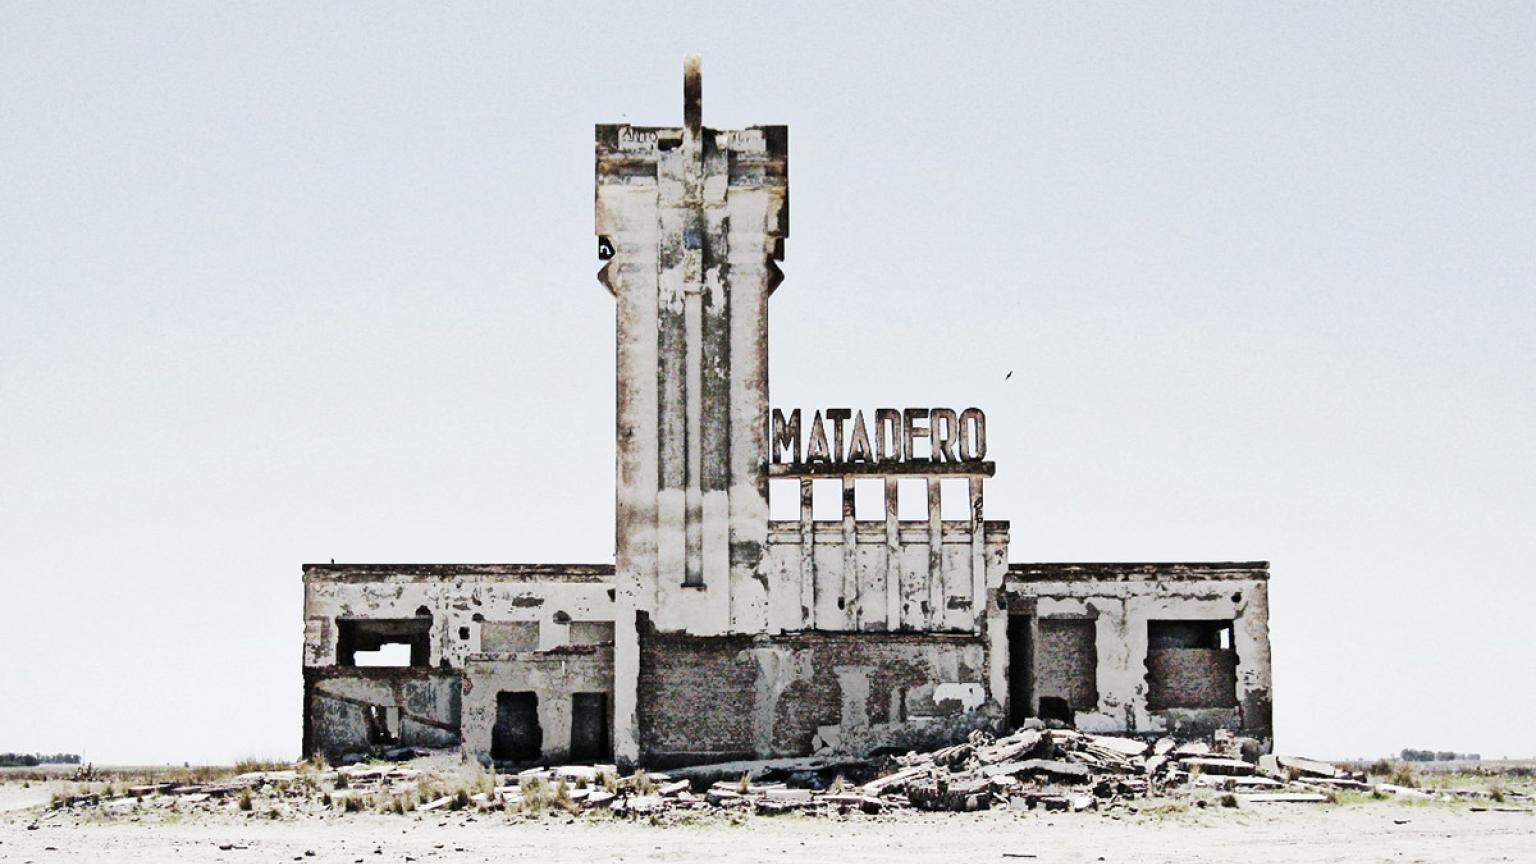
(723, 698)
(1199, 689)
(513, 620)
(460, 599)
(554, 677)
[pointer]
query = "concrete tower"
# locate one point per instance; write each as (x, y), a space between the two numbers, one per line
(690, 221)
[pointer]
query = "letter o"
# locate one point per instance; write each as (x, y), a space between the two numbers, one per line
(973, 435)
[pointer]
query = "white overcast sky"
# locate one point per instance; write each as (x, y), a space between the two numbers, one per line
(292, 282)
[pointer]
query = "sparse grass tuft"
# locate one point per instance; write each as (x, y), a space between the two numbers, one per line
(643, 784)
(248, 764)
(540, 795)
(243, 800)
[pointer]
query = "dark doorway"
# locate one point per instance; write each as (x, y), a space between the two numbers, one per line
(1020, 651)
(589, 727)
(516, 737)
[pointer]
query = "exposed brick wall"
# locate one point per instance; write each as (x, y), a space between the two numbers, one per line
(722, 698)
(1066, 662)
(1191, 678)
(696, 697)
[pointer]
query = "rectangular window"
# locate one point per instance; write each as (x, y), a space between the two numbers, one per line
(384, 641)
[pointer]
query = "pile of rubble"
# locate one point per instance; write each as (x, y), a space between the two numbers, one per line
(1032, 768)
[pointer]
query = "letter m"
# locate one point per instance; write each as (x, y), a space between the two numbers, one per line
(786, 436)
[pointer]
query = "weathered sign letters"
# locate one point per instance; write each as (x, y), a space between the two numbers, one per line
(920, 436)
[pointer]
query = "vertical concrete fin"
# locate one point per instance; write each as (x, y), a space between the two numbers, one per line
(693, 96)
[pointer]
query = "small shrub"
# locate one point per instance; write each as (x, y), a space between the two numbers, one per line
(1402, 775)
(643, 784)
(244, 800)
(744, 785)
(1230, 800)
(341, 780)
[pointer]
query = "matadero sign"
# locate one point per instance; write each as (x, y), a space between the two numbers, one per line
(898, 441)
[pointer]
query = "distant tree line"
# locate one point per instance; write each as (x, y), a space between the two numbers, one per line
(1438, 756)
(31, 760)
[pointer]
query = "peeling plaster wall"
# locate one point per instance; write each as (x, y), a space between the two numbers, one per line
(554, 676)
(459, 597)
(831, 590)
(737, 697)
(1121, 599)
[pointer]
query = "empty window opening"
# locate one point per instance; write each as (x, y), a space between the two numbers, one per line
(1191, 664)
(517, 737)
(869, 499)
(955, 498)
(383, 641)
(784, 500)
(1020, 678)
(1067, 663)
(912, 499)
(589, 727)
(383, 724)
(827, 500)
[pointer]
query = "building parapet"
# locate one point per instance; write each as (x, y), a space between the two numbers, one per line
(459, 572)
(1138, 571)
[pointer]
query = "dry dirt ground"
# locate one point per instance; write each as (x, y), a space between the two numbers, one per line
(1366, 832)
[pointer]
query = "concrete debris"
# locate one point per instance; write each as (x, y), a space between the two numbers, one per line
(1057, 770)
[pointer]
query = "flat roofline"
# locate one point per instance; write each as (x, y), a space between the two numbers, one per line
(512, 572)
(1137, 570)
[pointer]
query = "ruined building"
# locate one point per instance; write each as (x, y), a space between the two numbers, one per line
(719, 633)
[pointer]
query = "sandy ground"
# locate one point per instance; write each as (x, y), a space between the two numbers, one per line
(1375, 832)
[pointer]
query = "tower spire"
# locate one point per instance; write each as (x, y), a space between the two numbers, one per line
(693, 96)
